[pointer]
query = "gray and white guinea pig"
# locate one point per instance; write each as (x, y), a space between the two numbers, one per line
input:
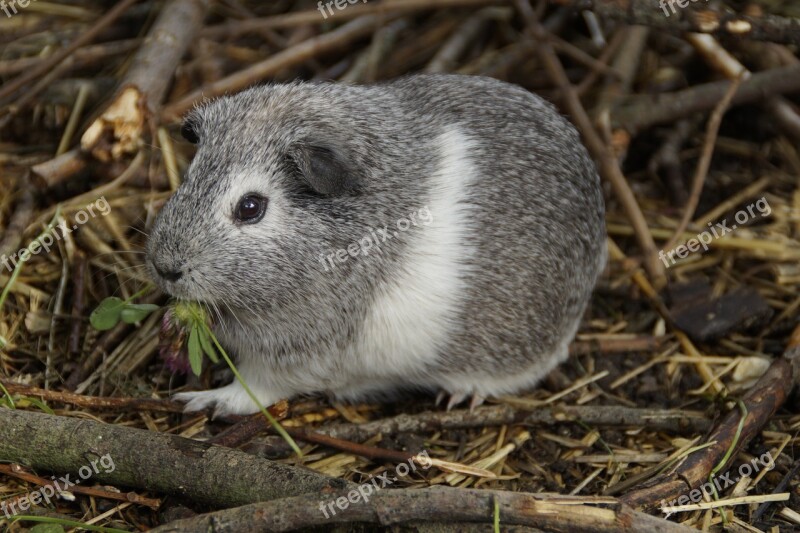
(439, 232)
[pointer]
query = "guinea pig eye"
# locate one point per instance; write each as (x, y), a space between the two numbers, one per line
(189, 133)
(250, 209)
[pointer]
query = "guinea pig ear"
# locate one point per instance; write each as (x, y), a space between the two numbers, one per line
(323, 168)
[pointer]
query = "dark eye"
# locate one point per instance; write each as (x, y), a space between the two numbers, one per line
(250, 208)
(189, 133)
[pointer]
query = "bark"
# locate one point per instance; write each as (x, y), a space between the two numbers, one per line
(157, 462)
(551, 512)
(119, 129)
(642, 112)
(762, 401)
(669, 15)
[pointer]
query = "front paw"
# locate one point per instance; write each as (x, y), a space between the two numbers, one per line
(229, 400)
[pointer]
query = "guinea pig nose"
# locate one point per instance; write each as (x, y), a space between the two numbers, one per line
(168, 275)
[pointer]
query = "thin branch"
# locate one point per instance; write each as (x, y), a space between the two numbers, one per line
(712, 129)
(761, 402)
(609, 166)
(49, 63)
(291, 56)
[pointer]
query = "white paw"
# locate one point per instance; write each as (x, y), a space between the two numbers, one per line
(456, 398)
(229, 400)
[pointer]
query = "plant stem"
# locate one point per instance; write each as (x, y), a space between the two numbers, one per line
(282, 432)
(142, 292)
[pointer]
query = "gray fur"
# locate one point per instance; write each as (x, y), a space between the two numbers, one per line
(535, 246)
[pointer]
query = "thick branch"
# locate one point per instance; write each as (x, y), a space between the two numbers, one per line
(119, 129)
(551, 512)
(762, 401)
(669, 16)
(641, 112)
(201, 472)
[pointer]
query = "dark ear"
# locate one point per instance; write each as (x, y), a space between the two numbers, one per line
(324, 168)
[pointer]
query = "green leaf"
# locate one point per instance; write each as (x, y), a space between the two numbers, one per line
(195, 352)
(207, 345)
(107, 314)
(38, 403)
(133, 313)
(7, 398)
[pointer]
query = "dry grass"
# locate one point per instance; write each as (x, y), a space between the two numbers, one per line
(626, 355)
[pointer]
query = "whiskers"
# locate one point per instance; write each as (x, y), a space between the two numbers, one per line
(122, 261)
(144, 233)
(233, 314)
(213, 310)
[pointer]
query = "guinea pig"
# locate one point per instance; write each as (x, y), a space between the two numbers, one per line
(437, 232)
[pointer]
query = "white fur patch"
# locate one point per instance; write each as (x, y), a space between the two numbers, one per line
(411, 319)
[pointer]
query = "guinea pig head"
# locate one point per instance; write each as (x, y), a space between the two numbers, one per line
(257, 206)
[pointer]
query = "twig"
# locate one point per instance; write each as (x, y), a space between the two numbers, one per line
(59, 57)
(446, 57)
(680, 422)
(626, 64)
(59, 169)
(16, 471)
(779, 107)
(95, 402)
(284, 59)
(609, 167)
(79, 271)
(118, 130)
(447, 505)
(761, 402)
(23, 214)
(668, 158)
(712, 129)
